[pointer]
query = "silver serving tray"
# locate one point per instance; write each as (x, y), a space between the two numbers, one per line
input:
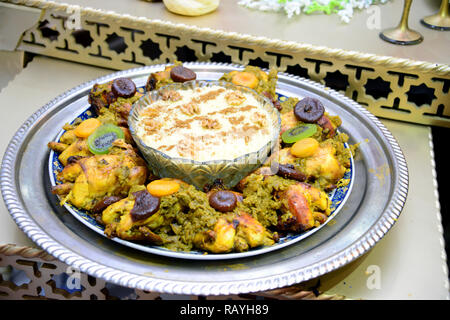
(375, 203)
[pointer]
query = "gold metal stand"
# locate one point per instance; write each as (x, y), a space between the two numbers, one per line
(439, 21)
(402, 34)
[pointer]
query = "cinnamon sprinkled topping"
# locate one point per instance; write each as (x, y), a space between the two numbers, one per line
(167, 148)
(247, 108)
(186, 148)
(171, 95)
(182, 124)
(235, 98)
(249, 127)
(210, 124)
(205, 123)
(236, 120)
(151, 126)
(190, 108)
(211, 95)
(228, 110)
(150, 112)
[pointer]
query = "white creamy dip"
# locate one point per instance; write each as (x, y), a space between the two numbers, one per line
(207, 123)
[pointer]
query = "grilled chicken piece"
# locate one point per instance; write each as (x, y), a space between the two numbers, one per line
(283, 156)
(155, 79)
(318, 199)
(323, 164)
(297, 215)
(122, 147)
(158, 79)
(110, 108)
(218, 240)
(264, 171)
(118, 221)
(99, 176)
(121, 111)
(62, 189)
(240, 234)
(70, 145)
(288, 121)
(58, 147)
(101, 96)
(250, 233)
(300, 204)
(78, 148)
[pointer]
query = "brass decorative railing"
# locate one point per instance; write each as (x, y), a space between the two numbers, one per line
(394, 88)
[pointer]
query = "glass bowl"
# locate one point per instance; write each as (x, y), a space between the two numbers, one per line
(201, 173)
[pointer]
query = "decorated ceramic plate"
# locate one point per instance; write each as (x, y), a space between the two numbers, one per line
(338, 197)
(379, 185)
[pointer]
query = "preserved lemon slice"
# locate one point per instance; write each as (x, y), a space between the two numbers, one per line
(102, 138)
(191, 7)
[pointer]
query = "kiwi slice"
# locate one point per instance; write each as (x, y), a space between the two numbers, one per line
(299, 132)
(102, 138)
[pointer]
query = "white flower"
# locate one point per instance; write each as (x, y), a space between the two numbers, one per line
(295, 7)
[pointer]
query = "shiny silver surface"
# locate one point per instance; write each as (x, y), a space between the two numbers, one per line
(375, 203)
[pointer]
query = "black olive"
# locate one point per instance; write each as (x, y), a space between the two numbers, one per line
(145, 205)
(182, 74)
(223, 201)
(309, 110)
(288, 171)
(123, 87)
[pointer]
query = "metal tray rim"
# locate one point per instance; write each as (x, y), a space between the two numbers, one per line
(11, 198)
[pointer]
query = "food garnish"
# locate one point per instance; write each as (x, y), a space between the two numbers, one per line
(182, 74)
(246, 79)
(144, 205)
(299, 132)
(100, 141)
(87, 127)
(305, 148)
(163, 187)
(123, 87)
(309, 110)
(223, 201)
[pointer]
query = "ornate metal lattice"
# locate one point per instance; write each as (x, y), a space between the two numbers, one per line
(392, 88)
(29, 273)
